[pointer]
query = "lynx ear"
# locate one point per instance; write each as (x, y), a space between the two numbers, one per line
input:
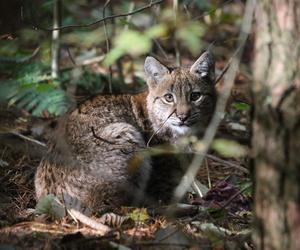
(204, 67)
(155, 69)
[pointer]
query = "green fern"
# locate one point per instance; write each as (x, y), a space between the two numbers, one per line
(32, 90)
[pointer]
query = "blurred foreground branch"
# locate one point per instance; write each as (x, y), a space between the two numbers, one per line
(210, 132)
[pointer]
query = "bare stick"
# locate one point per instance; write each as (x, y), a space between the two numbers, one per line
(155, 132)
(101, 228)
(197, 189)
(70, 55)
(210, 132)
(208, 175)
(228, 163)
(107, 46)
(20, 59)
(224, 71)
(28, 139)
(102, 19)
(56, 39)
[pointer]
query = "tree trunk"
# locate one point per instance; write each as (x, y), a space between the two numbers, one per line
(276, 127)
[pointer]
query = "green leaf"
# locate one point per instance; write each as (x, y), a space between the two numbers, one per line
(44, 87)
(229, 148)
(139, 215)
(241, 106)
(51, 206)
(128, 42)
(157, 31)
(190, 35)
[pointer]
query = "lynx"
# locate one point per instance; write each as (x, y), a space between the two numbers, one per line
(93, 166)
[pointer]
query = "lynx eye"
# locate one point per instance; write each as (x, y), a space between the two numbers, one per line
(195, 96)
(169, 97)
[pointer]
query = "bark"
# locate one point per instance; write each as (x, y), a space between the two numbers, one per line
(276, 126)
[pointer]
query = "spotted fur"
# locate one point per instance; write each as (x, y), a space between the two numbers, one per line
(91, 161)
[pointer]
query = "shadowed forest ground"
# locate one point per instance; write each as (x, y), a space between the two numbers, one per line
(219, 220)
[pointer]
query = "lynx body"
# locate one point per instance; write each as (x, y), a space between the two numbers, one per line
(91, 164)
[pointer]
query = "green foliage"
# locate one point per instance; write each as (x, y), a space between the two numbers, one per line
(91, 82)
(190, 36)
(128, 42)
(139, 215)
(241, 106)
(50, 206)
(246, 186)
(32, 90)
(229, 148)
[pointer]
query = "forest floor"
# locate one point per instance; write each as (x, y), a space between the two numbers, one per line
(221, 219)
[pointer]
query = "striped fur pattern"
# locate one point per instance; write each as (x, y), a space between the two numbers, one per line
(89, 161)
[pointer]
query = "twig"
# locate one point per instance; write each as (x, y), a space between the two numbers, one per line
(28, 139)
(197, 189)
(208, 174)
(176, 44)
(20, 59)
(224, 70)
(96, 59)
(107, 46)
(152, 3)
(70, 55)
(103, 229)
(235, 195)
(160, 127)
(160, 48)
(231, 164)
(210, 132)
(128, 19)
(56, 39)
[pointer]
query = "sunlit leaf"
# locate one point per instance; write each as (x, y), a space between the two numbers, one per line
(139, 215)
(241, 106)
(229, 148)
(157, 31)
(128, 42)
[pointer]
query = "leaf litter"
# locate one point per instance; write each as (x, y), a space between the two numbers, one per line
(211, 226)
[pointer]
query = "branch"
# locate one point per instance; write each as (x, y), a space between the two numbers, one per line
(107, 46)
(20, 59)
(101, 228)
(210, 132)
(102, 19)
(55, 51)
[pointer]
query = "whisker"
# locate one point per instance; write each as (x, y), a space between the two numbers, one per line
(160, 127)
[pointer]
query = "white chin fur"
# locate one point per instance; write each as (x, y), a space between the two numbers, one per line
(179, 130)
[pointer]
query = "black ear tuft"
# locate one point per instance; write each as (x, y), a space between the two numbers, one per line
(204, 67)
(155, 69)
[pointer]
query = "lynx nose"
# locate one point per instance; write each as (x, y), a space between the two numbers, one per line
(183, 117)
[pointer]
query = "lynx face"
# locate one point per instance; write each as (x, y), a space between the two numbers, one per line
(186, 95)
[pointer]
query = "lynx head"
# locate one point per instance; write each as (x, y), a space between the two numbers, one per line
(186, 95)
